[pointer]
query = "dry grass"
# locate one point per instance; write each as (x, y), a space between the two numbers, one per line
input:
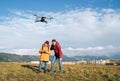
(28, 72)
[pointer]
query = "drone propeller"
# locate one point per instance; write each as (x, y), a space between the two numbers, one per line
(50, 18)
(37, 16)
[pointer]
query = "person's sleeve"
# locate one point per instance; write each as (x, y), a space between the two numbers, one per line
(51, 48)
(59, 51)
(40, 51)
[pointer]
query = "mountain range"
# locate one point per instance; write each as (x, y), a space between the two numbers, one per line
(7, 57)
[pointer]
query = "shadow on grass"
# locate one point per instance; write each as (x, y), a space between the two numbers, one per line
(32, 67)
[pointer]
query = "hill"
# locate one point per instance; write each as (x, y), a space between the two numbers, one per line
(7, 57)
(116, 56)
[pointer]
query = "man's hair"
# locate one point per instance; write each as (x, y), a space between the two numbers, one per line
(53, 40)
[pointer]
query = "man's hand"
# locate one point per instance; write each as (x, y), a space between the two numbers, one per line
(60, 58)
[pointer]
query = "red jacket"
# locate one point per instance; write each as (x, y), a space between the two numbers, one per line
(57, 49)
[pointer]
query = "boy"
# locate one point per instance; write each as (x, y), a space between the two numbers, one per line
(44, 57)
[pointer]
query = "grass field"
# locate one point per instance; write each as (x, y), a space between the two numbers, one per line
(28, 72)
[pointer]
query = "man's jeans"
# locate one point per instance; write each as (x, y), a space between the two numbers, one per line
(45, 66)
(53, 63)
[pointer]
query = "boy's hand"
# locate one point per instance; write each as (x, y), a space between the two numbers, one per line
(44, 51)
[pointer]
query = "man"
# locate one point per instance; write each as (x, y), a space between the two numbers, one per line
(57, 56)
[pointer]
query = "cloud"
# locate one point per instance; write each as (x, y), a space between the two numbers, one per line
(80, 28)
(92, 51)
(21, 51)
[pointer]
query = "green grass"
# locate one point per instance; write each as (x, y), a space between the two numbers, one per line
(28, 72)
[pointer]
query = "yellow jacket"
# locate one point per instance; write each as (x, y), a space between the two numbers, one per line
(45, 53)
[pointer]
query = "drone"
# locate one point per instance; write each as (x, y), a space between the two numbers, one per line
(42, 19)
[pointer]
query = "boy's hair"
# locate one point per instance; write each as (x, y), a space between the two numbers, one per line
(53, 40)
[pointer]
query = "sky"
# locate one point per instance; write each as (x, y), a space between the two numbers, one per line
(83, 27)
